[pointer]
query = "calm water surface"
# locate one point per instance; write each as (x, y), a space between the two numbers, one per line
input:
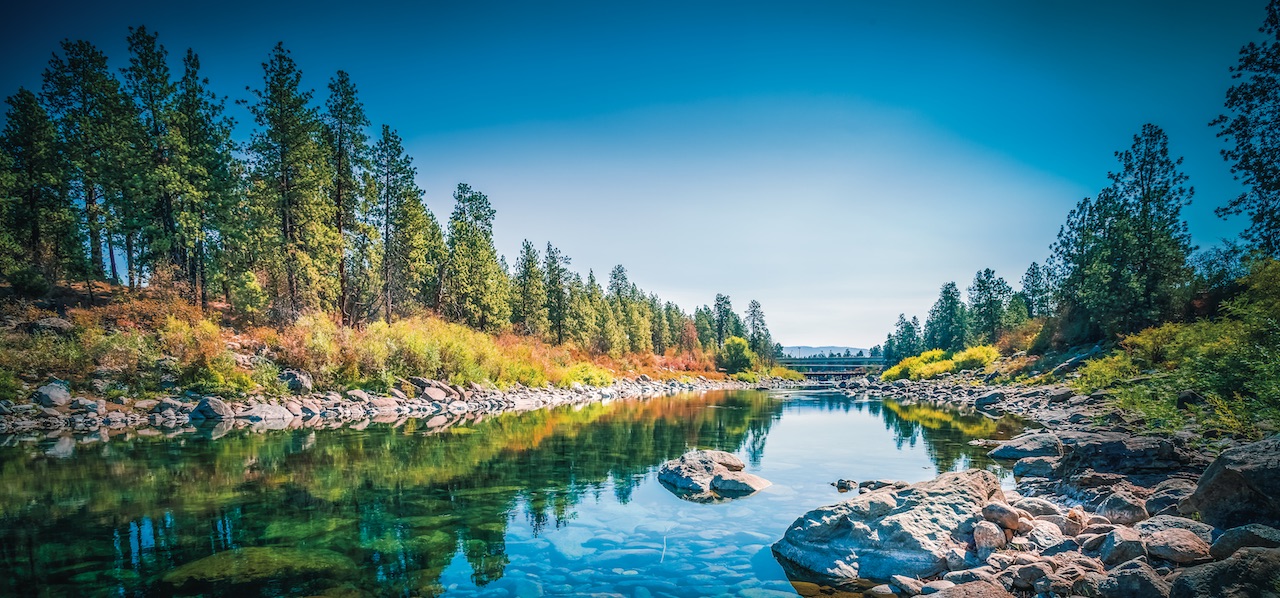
(563, 501)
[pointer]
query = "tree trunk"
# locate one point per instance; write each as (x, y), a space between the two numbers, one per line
(95, 230)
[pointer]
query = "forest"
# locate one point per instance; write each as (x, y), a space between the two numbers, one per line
(134, 177)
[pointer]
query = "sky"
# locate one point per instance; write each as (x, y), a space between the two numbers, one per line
(837, 161)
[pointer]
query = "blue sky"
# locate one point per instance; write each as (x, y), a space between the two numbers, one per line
(837, 161)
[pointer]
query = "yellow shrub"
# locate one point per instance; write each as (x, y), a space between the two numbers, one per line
(976, 357)
(1103, 372)
(932, 369)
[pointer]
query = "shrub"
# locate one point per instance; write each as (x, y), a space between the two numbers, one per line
(906, 367)
(975, 357)
(735, 356)
(786, 374)
(932, 369)
(29, 283)
(1104, 372)
(748, 376)
(586, 373)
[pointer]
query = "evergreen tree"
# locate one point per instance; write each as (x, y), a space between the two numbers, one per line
(705, 324)
(40, 224)
(289, 176)
(557, 290)
(988, 298)
(412, 245)
(529, 299)
(1253, 130)
(473, 283)
(905, 341)
(723, 319)
(758, 337)
(346, 145)
(947, 326)
(659, 325)
(1037, 291)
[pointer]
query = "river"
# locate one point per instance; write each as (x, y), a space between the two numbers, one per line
(553, 502)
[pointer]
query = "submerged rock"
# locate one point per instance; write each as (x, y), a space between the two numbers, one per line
(891, 531)
(260, 564)
(708, 476)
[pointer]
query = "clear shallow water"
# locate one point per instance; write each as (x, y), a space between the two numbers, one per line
(564, 501)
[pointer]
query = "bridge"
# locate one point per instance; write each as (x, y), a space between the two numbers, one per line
(833, 368)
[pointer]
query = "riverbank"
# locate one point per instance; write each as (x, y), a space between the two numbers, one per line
(53, 409)
(1098, 509)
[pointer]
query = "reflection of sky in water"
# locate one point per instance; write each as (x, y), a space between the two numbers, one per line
(557, 502)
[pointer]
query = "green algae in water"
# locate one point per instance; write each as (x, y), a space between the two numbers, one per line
(259, 565)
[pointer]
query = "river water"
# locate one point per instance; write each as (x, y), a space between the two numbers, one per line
(554, 502)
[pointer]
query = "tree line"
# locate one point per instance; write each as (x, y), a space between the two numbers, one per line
(1123, 261)
(133, 176)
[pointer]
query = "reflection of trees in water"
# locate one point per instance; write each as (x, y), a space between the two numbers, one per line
(400, 504)
(946, 432)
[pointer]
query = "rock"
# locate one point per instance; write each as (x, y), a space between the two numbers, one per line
(1162, 522)
(1178, 546)
(1240, 487)
(1248, 573)
(988, 538)
(145, 405)
(1036, 467)
(1122, 544)
(1037, 506)
(384, 404)
(1067, 525)
(975, 589)
(1044, 534)
(1134, 579)
(907, 586)
(878, 484)
(259, 565)
(1166, 495)
(435, 394)
(881, 590)
(907, 531)
(298, 381)
(843, 485)
(51, 395)
(988, 399)
(358, 395)
(212, 408)
(1124, 453)
(1187, 398)
(936, 586)
(51, 326)
(706, 475)
(1025, 576)
(1123, 508)
(266, 412)
(1044, 444)
(1254, 534)
(1000, 514)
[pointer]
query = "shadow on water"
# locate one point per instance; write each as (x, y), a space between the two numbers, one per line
(379, 511)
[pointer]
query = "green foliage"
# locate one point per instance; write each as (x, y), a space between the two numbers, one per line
(975, 357)
(936, 362)
(1104, 372)
(748, 376)
(29, 283)
(947, 326)
(785, 374)
(988, 299)
(735, 356)
(474, 285)
(586, 373)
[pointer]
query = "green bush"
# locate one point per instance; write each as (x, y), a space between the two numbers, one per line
(975, 357)
(588, 374)
(735, 356)
(1104, 372)
(28, 282)
(748, 376)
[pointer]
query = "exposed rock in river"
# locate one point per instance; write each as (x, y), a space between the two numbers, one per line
(908, 531)
(709, 476)
(1241, 486)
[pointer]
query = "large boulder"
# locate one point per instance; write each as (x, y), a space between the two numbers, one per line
(1241, 486)
(975, 589)
(1124, 453)
(266, 412)
(51, 395)
(1178, 546)
(907, 531)
(1163, 522)
(1123, 508)
(703, 476)
(51, 326)
(1120, 545)
(1035, 444)
(1248, 573)
(212, 408)
(1134, 579)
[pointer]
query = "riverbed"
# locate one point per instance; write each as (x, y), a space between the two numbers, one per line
(560, 501)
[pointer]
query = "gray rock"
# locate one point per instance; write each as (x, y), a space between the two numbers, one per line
(1162, 522)
(1254, 534)
(212, 408)
(907, 586)
(1240, 487)
(1000, 514)
(435, 394)
(298, 381)
(1036, 467)
(988, 538)
(1123, 508)
(1166, 495)
(708, 475)
(51, 326)
(1250, 572)
(1043, 444)
(266, 412)
(936, 586)
(1037, 506)
(991, 398)
(975, 589)
(906, 531)
(1122, 544)
(1134, 579)
(51, 395)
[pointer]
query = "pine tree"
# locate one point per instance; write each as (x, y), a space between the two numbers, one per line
(723, 319)
(289, 175)
(1253, 129)
(412, 245)
(988, 298)
(1037, 292)
(347, 150)
(40, 223)
(947, 326)
(557, 291)
(473, 283)
(529, 298)
(758, 337)
(659, 325)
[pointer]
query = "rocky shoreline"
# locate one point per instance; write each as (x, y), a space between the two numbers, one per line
(1098, 510)
(54, 411)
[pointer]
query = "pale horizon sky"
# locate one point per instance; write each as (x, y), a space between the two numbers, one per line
(836, 161)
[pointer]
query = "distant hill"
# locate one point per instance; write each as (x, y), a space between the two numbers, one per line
(804, 351)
